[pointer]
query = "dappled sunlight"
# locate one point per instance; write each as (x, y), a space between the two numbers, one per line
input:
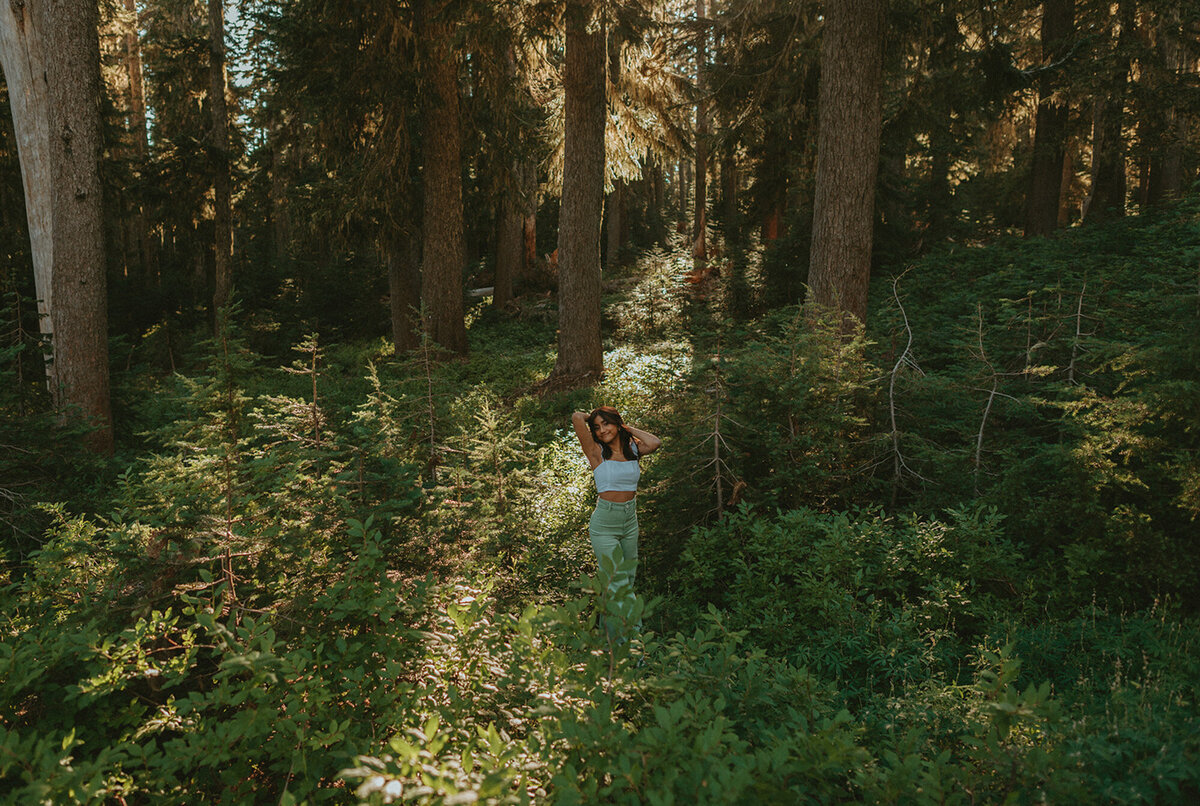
(554, 512)
(653, 305)
(640, 379)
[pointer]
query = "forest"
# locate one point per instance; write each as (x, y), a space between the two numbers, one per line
(299, 297)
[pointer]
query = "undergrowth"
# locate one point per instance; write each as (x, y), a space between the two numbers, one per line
(946, 559)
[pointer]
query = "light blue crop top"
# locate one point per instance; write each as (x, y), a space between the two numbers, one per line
(622, 477)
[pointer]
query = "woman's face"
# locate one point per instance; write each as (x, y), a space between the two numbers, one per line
(605, 431)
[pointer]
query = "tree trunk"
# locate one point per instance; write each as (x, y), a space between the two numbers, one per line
(772, 223)
(1050, 132)
(280, 226)
(850, 117)
(219, 154)
(444, 250)
(730, 224)
(147, 254)
(1066, 180)
(1149, 169)
(941, 118)
(404, 290)
(655, 201)
(579, 348)
(614, 224)
(517, 216)
(529, 201)
(1172, 182)
(1106, 198)
(1172, 45)
(51, 60)
(510, 246)
(700, 216)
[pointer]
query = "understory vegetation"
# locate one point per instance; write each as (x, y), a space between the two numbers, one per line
(952, 559)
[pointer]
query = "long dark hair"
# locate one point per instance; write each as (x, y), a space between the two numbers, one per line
(611, 415)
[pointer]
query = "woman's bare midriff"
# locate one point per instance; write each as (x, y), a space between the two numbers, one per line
(618, 496)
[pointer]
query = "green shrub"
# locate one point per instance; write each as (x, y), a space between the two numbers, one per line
(876, 603)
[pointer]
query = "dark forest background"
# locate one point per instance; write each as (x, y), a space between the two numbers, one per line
(923, 528)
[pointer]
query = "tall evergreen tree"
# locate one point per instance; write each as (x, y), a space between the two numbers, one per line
(139, 135)
(219, 154)
(763, 82)
(51, 60)
(847, 155)
(443, 252)
(700, 217)
(579, 348)
(1050, 134)
(1106, 198)
(345, 136)
(517, 180)
(178, 176)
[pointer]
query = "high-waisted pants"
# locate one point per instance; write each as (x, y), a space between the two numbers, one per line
(615, 526)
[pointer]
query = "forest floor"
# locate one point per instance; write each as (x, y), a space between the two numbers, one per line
(948, 561)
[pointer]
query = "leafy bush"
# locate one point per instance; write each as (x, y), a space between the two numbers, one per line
(873, 602)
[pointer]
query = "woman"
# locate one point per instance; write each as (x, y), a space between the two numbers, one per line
(613, 448)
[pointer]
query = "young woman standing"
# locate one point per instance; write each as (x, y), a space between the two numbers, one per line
(613, 448)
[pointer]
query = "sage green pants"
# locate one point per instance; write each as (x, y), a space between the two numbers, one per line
(615, 526)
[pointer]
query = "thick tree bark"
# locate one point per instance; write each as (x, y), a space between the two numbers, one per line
(700, 215)
(614, 204)
(404, 290)
(444, 248)
(579, 348)
(1106, 199)
(1050, 133)
(219, 155)
(1066, 180)
(1172, 181)
(51, 60)
(850, 117)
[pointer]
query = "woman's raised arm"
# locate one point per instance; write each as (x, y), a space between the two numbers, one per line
(589, 446)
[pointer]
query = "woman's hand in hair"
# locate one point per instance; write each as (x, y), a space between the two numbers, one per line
(647, 442)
